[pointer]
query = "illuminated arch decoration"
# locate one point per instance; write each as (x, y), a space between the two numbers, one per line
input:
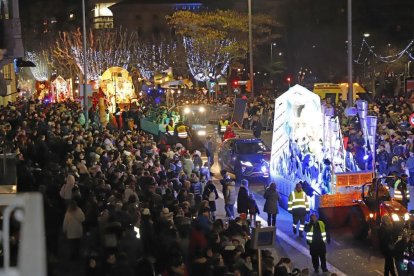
(116, 84)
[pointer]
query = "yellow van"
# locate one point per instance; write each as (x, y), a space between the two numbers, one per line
(334, 91)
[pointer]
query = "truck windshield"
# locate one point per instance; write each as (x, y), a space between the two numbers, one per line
(250, 148)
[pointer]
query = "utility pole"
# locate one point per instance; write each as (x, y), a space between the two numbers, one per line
(249, 4)
(350, 83)
(85, 60)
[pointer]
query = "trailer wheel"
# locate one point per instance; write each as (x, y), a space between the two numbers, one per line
(358, 224)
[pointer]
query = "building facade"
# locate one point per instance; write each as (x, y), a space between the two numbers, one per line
(148, 18)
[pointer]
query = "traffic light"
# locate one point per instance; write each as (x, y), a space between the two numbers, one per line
(235, 83)
(288, 79)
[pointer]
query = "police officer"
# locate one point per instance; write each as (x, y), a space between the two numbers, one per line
(170, 131)
(182, 134)
(222, 126)
(316, 237)
(401, 192)
(298, 206)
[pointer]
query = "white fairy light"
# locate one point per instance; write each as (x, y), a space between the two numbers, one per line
(205, 63)
(42, 71)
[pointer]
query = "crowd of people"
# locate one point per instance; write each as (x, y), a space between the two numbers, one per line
(129, 205)
(124, 203)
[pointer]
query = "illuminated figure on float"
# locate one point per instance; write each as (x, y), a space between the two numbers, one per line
(307, 144)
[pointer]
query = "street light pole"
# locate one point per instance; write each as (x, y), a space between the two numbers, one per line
(249, 4)
(271, 51)
(85, 74)
(350, 83)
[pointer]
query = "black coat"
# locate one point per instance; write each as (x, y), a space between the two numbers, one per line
(387, 240)
(243, 200)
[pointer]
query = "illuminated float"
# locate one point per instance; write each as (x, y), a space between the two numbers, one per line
(116, 84)
(60, 90)
(307, 146)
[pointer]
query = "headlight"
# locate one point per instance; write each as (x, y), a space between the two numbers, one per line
(187, 110)
(138, 235)
(246, 163)
(201, 133)
(202, 109)
(395, 217)
(263, 169)
(406, 216)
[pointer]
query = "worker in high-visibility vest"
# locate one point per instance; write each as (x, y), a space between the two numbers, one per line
(401, 191)
(298, 206)
(222, 126)
(316, 237)
(182, 134)
(170, 132)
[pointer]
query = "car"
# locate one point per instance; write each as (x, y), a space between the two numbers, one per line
(245, 158)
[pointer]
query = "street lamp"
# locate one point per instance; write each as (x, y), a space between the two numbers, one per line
(366, 35)
(85, 60)
(271, 50)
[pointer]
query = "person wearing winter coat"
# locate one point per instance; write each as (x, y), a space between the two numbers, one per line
(210, 194)
(72, 227)
(230, 199)
(387, 240)
(66, 190)
(243, 198)
(271, 206)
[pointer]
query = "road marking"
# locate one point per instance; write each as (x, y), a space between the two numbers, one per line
(299, 247)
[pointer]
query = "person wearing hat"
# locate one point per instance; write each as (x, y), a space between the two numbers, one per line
(316, 237)
(401, 192)
(298, 206)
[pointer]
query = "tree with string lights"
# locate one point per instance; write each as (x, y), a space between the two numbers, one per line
(212, 40)
(105, 49)
(42, 70)
(156, 56)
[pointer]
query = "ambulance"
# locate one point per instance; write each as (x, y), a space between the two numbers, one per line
(336, 91)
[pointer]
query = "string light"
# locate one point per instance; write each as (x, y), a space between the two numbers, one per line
(154, 57)
(204, 62)
(386, 59)
(42, 71)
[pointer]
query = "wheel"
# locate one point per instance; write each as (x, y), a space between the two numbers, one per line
(358, 224)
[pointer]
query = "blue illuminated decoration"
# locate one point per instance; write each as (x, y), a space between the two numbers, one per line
(188, 6)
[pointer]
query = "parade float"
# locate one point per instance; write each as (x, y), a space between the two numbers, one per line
(60, 89)
(116, 84)
(307, 146)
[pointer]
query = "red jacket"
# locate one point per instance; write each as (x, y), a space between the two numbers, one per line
(229, 134)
